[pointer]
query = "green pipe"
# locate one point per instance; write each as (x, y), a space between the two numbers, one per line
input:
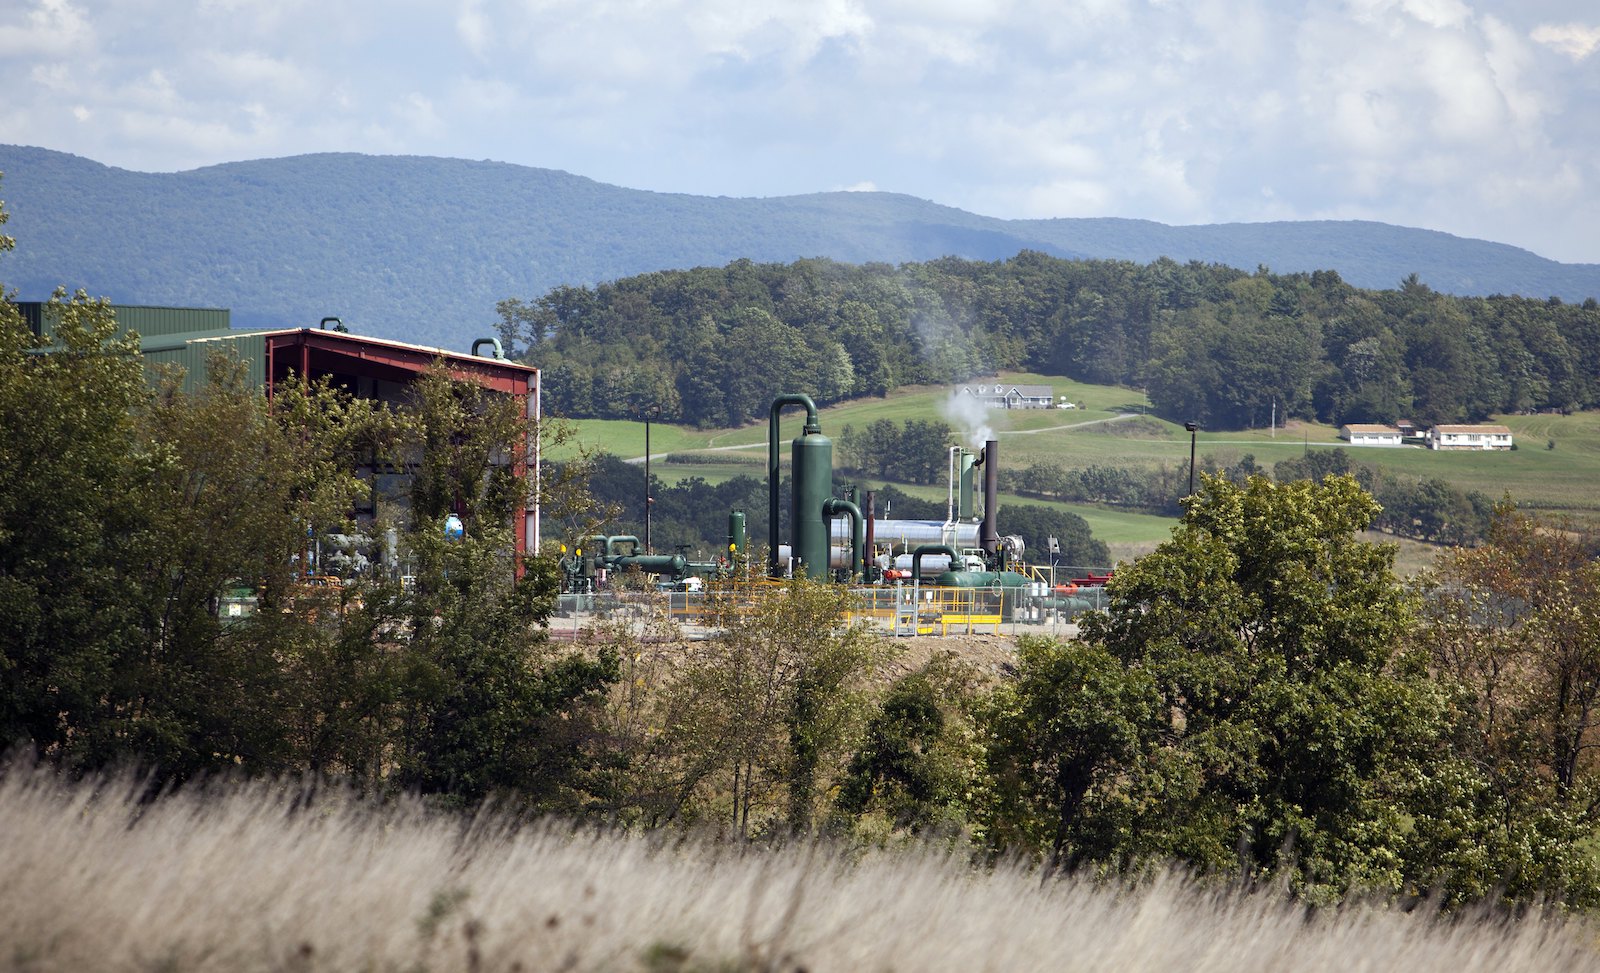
(812, 427)
(832, 507)
(614, 539)
(916, 556)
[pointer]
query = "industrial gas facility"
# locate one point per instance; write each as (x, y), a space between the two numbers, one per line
(911, 577)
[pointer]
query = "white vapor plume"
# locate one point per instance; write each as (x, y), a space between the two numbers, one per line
(970, 417)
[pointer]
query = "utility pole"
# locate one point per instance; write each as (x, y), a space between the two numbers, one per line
(649, 501)
(1193, 427)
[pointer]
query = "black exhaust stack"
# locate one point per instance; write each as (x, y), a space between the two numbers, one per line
(989, 533)
(870, 515)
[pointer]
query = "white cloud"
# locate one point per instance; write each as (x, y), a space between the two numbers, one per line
(1576, 41)
(1072, 197)
(47, 28)
(473, 27)
(1438, 13)
(260, 74)
(415, 113)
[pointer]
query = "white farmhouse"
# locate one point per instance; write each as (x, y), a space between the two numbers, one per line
(1469, 437)
(1368, 434)
(1002, 396)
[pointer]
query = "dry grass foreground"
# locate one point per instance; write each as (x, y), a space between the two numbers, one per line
(268, 877)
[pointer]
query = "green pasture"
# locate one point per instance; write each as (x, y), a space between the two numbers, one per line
(1114, 429)
(625, 438)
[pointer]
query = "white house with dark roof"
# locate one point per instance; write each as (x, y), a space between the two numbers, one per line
(1000, 395)
(1371, 434)
(1469, 437)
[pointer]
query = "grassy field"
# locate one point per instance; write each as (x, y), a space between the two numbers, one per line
(1113, 429)
(269, 877)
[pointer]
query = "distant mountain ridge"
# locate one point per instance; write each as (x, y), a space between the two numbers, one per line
(421, 248)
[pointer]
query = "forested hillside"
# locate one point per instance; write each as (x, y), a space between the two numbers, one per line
(1208, 342)
(421, 248)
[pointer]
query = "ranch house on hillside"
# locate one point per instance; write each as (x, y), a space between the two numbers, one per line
(1001, 396)
(1469, 437)
(1367, 434)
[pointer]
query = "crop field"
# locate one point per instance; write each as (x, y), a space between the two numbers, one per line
(1555, 468)
(272, 877)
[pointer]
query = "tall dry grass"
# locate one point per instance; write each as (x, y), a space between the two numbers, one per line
(265, 877)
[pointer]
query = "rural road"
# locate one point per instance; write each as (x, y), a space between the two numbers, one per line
(1008, 432)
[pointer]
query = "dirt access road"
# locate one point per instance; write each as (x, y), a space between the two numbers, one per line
(1006, 432)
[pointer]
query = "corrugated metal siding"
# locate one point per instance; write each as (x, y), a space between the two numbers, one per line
(192, 354)
(150, 322)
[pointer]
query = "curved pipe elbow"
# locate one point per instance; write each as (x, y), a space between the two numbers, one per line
(812, 426)
(916, 556)
(833, 507)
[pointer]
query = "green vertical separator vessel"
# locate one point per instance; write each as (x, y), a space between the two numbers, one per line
(812, 470)
(736, 533)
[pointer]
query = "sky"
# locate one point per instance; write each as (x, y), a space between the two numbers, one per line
(1476, 117)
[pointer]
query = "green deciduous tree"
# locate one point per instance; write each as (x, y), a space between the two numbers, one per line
(126, 512)
(70, 522)
(920, 757)
(763, 714)
(222, 511)
(1070, 742)
(1517, 621)
(1514, 626)
(1290, 723)
(485, 704)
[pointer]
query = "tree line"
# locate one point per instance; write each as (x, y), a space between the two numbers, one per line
(1211, 343)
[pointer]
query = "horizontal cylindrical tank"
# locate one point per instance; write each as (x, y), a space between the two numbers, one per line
(838, 557)
(982, 579)
(910, 534)
(933, 565)
(1069, 605)
(675, 564)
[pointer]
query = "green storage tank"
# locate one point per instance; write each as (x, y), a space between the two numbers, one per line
(811, 464)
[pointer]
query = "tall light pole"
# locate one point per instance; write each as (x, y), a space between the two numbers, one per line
(649, 501)
(1193, 427)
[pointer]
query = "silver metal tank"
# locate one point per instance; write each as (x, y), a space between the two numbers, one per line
(909, 534)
